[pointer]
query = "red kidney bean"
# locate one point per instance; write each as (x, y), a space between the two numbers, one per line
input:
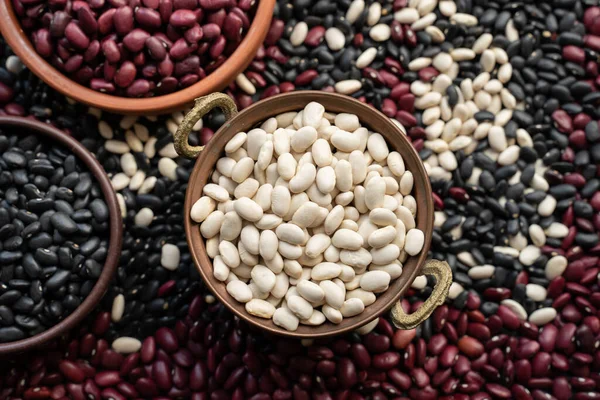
(233, 27)
(198, 376)
(437, 344)
(135, 40)
(75, 36)
(346, 373)
(419, 377)
(386, 360)
(148, 18)
(275, 32)
(107, 378)
(522, 371)
(76, 391)
(360, 355)
(71, 371)
(402, 338)
(162, 375)
(42, 42)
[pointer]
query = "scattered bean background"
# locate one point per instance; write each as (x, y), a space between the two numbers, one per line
(514, 161)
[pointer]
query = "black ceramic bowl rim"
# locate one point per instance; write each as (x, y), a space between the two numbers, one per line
(28, 126)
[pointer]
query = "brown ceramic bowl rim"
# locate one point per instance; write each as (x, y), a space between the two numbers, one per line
(116, 232)
(235, 64)
(426, 205)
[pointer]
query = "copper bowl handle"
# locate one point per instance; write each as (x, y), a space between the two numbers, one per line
(202, 106)
(443, 275)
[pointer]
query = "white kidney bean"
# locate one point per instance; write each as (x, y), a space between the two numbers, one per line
(366, 297)
(202, 208)
(231, 226)
(334, 227)
(229, 254)
(248, 188)
(345, 141)
(220, 270)
(268, 244)
(347, 239)
(239, 291)
(310, 290)
(303, 178)
(375, 192)
(375, 281)
(306, 214)
(212, 224)
(352, 307)
(260, 308)
(255, 139)
(325, 271)
(343, 175)
(282, 284)
(248, 209)
(317, 245)
(300, 307)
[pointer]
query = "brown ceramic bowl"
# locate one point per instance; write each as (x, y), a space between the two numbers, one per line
(376, 121)
(25, 126)
(19, 42)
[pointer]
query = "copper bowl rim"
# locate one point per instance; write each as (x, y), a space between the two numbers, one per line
(235, 64)
(27, 125)
(371, 312)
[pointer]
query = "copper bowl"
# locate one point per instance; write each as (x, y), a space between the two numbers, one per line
(253, 116)
(236, 63)
(24, 126)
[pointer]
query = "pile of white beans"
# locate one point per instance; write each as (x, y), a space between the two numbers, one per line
(308, 217)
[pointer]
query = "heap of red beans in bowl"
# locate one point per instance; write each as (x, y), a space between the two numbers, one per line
(135, 48)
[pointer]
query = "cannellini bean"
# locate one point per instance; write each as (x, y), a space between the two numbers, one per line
(375, 281)
(326, 179)
(377, 147)
(382, 217)
(229, 254)
(306, 214)
(343, 175)
(325, 271)
(290, 251)
(212, 224)
(334, 295)
(254, 140)
(310, 291)
(202, 208)
(215, 192)
(292, 268)
(347, 239)
(366, 297)
(268, 244)
(268, 221)
(239, 291)
(375, 193)
(345, 141)
(260, 308)
(385, 254)
(352, 307)
(231, 226)
(263, 278)
(308, 217)
(248, 209)
(282, 284)
(300, 307)
(321, 152)
(303, 178)
(290, 233)
(317, 318)
(333, 315)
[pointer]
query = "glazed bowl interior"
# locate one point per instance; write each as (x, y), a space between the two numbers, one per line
(25, 126)
(19, 42)
(335, 103)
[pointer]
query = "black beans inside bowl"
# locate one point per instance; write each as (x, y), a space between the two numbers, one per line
(54, 228)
